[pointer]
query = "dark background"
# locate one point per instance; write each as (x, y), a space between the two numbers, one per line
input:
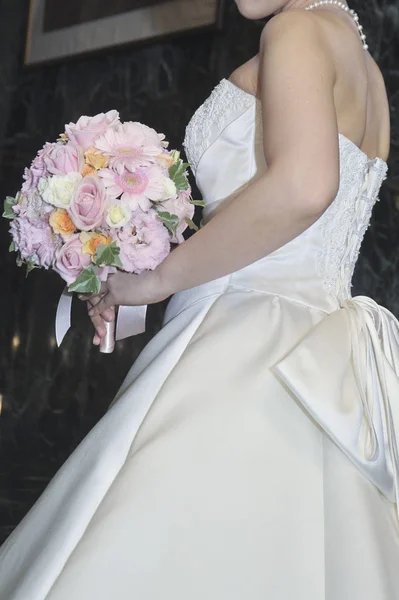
(52, 397)
(64, 13)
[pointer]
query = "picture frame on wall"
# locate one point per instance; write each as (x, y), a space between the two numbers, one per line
(62, 29)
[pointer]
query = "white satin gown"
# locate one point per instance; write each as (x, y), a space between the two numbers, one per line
(251, 452)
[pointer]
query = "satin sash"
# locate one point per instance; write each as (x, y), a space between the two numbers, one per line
(345, 372)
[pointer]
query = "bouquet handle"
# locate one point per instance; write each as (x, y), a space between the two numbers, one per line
(129, 321)
(107, 344)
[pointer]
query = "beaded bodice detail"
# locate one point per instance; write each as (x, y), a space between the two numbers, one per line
(333, 242)
(214, 113)
(346, 220)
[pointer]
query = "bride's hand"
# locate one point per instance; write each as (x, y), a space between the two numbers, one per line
(98, 321)
(127, 289)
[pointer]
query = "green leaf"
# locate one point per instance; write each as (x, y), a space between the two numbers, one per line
(108, 255)
(175, 155)
(29, 262)
(197, 202)
(88, 282)
(177, 173)
(181, 183)
(170, 221)
(30, 265)
(191, 224)
(177, 167)
(12, 247)
(9, 202)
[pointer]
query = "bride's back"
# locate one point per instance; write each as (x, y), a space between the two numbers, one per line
(359, 93)
(360, 96)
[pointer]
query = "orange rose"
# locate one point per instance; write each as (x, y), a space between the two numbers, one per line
(87, 171)
(91, 241)
(165, 160)
(96, 159)
(62, 223)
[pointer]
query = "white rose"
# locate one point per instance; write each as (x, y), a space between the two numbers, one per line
(117, 215)
(59, 189)
(170, 188)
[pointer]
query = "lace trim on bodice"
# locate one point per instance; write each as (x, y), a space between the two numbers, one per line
(344, 223)
(214, 115)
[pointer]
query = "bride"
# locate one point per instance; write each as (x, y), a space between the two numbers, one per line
(272, 475)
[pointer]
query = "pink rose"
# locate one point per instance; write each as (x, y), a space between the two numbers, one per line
(61, 159)
(87, 129)
(88, 204)
(70, 260)
(144, 244)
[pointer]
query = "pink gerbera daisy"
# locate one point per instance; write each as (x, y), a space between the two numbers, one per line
(131, 145)
(136, 188)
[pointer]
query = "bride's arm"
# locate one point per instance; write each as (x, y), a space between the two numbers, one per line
(297, 79)
(301, 148)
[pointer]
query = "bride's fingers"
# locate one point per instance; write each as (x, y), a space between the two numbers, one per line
(103, 290)
(105, 309)
(92, 298)
(105, 303)
(98, 323)
(104, 287)
(108, 314)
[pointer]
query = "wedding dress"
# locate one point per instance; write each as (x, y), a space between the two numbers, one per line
(250, 453)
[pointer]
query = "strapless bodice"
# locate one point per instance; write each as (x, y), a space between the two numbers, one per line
(224, 145)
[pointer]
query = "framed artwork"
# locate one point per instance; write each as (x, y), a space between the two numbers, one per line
(60, 29)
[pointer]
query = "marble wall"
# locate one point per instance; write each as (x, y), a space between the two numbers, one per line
(52, 397)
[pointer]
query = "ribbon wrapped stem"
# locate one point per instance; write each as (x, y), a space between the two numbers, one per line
(107, 344)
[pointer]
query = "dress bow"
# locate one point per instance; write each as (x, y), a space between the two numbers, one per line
(345, 372)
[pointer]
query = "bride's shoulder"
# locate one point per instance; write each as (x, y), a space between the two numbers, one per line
(296, 26)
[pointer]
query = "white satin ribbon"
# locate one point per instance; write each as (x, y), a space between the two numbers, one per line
(63, 315)
(345, 372)
(130, 320)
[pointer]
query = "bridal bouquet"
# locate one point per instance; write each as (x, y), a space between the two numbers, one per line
(107, 195)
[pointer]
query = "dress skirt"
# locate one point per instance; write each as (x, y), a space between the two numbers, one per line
(207, 479)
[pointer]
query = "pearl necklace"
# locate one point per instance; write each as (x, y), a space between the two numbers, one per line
(341, 5)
